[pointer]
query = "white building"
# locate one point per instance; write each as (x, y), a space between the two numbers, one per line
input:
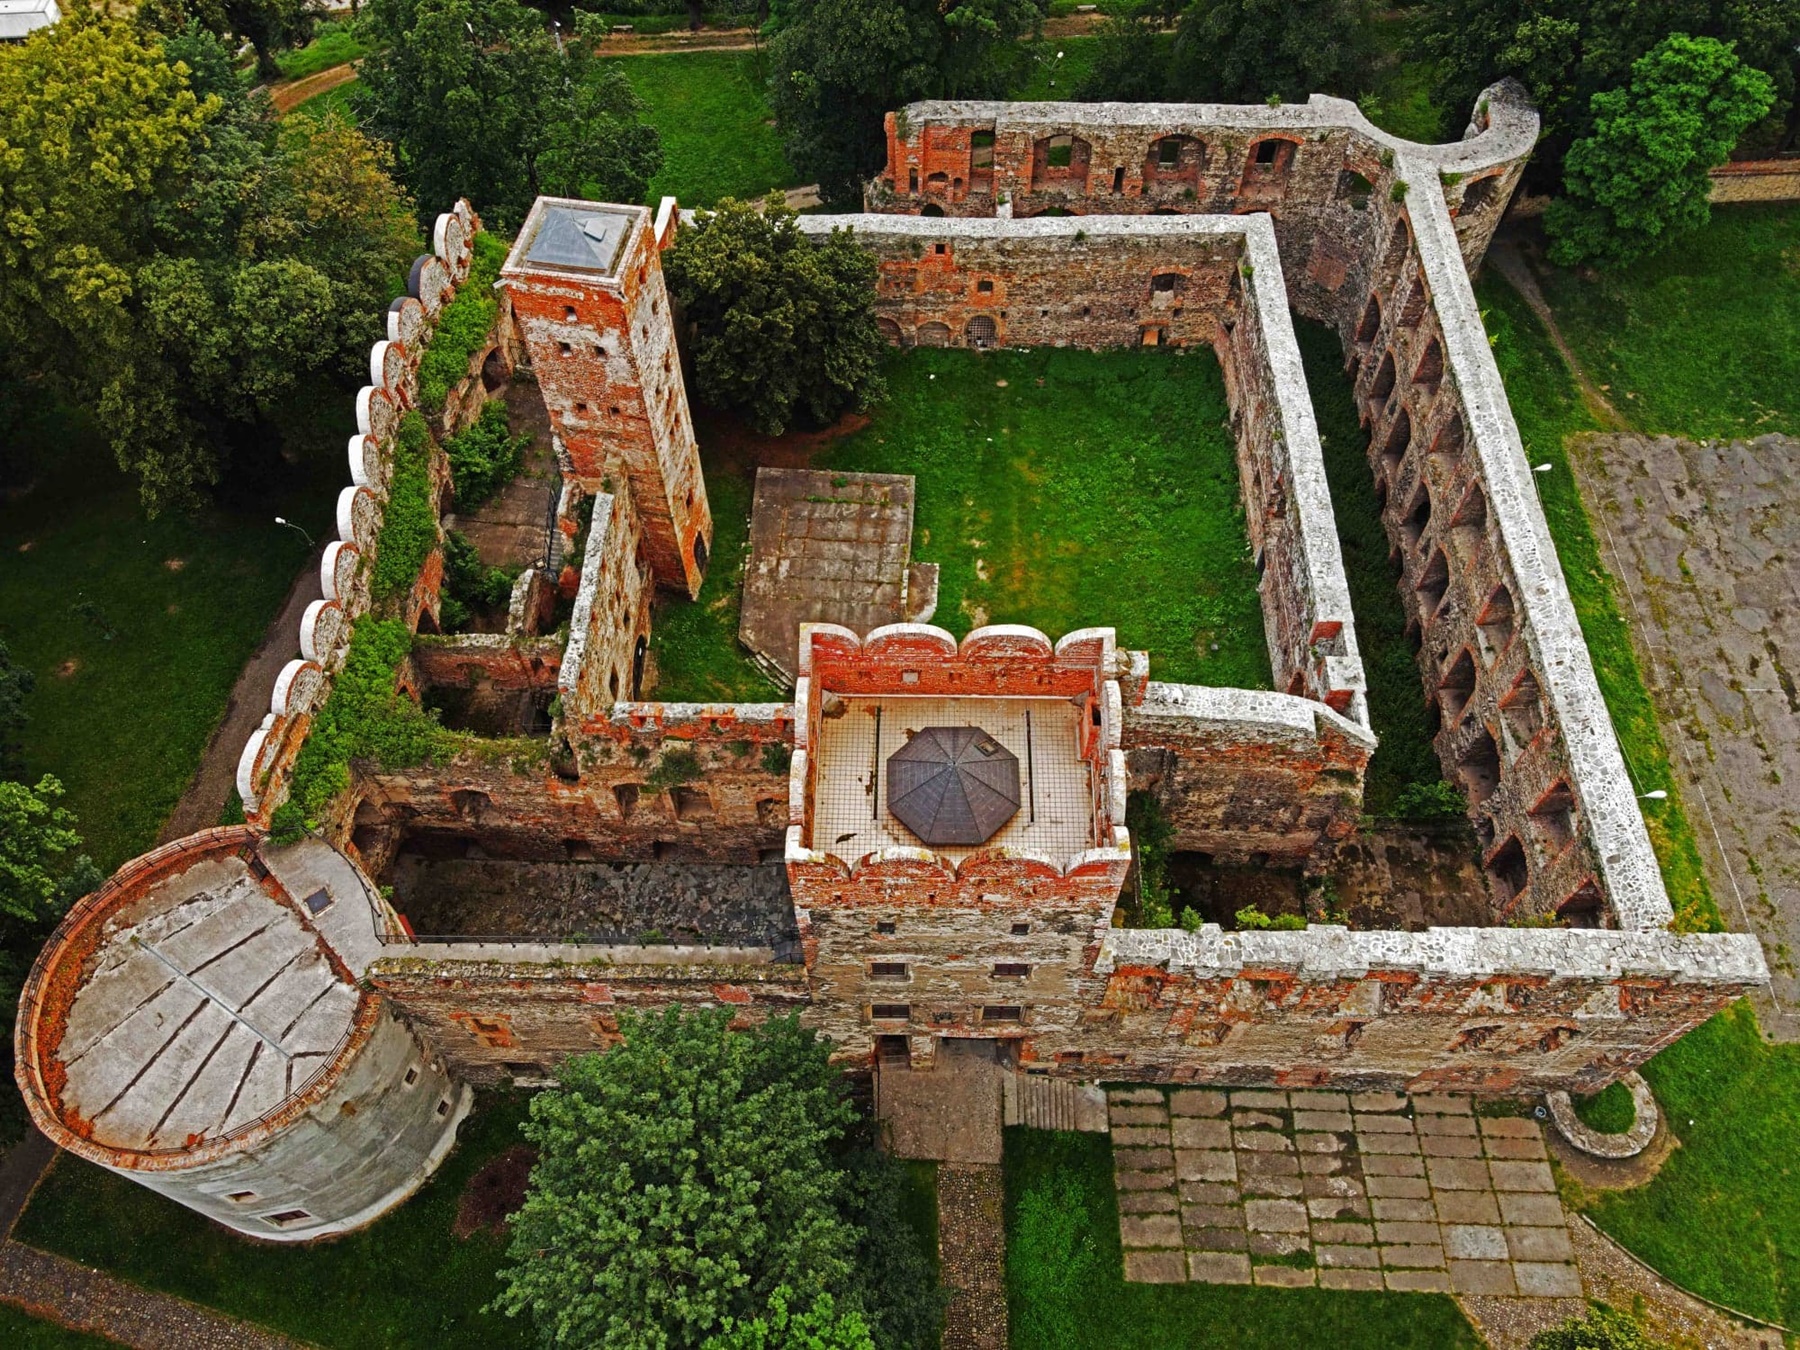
(19, 19)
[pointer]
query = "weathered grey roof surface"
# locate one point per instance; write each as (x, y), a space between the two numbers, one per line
(953, 785)
(588, 238)
(208, 1005)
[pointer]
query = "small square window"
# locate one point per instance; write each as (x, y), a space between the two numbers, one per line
(443, 1107)
(412, 1075)
(569, 313)
(1002, 1012)
(288, 1218)
(1020, 929)
(940, 249)
(565, 349)
(241, 1197)
(318, 902)
(891, 1012)
(887, 970)
(581, 408)
(1011, 970)
(985, 287)
(886, 926)
(600, 352)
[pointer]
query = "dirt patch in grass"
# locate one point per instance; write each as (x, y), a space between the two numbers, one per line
(495, 1193)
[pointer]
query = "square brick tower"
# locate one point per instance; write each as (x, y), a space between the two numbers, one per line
(586, 284)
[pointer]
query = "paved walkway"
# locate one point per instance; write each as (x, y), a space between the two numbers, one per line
(972, 1255)
(1345, 1191)
(87, 1300)
(1702, 537)
(213, 781)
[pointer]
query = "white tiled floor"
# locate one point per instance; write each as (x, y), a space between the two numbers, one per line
(1056, 813)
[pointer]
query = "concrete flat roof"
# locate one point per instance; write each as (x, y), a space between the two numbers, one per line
(207, 1005)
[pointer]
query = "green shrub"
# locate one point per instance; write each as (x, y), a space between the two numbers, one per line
(462, 326)
(409, 525)
(676, 767)
(364, 717)
(468, 581)
(1150, 836)
(1603, 1328)
(777, 758)
(1428, 801)
(1250, 918)
(486, 457)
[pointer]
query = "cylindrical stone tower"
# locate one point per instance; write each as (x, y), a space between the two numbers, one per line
(190, 1026)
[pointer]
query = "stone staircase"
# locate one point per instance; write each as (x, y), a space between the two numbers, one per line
(1042, 1103)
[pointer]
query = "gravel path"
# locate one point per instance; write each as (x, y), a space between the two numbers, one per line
(87, 1300)
(972, 1254)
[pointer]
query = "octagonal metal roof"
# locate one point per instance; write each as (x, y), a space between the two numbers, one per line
(953, 785)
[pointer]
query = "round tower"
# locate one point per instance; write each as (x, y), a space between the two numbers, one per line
(190, 1026)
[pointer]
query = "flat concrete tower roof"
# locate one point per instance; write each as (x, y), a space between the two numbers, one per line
(205, 1005)
(575, 236)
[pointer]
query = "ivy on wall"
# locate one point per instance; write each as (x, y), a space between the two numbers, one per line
(463, 326)
(409, 524)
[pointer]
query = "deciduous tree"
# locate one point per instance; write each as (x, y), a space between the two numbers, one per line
(42, 868)
(783, 323)
(837, 67)
(1248, 51)
(1640, 178)
(478, 100)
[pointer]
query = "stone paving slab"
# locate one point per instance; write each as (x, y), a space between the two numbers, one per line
(1341, 1191)
(1702, 537)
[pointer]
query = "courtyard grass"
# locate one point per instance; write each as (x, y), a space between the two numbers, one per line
(1404, 757)
(406, 1281)
(335, 99)
(1548, 409)
(712, 111)
(333, 44)
(136, 629)
(1066, 1290)
(1065, 489)
(1702, 339)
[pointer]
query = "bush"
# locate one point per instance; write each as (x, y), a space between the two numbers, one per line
(486, 457)
(364, 717)
(1428, 801)
(463, 325)
(1150, 837)
(683, 1179)
(1252, 919)
(409, 524)
(1603, 1328)
(468, 584)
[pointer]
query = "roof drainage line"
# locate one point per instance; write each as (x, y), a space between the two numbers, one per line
(215, 999)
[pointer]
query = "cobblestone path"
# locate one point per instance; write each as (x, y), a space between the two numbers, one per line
(88, 1300)
(1341, 1190)
(972, 1255)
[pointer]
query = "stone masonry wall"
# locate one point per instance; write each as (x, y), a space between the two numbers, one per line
(498, 1015)
(611, 621)
(1247, 776)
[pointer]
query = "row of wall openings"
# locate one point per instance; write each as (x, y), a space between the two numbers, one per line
(900, 970)
(889, 926)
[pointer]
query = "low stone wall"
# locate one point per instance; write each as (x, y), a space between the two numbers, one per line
(610, 627)
(495, 1015)
(1245, 776)
(1757, 180)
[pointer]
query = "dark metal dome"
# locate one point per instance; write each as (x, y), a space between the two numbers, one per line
(953, 785)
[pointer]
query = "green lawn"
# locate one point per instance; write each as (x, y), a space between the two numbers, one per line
(1548, 408)
(406, 1281)
(336, 99)
(1066, 489)
(1049, 77)
(1704, 338)
(1065, 1287)
(24, 1332)
(1400, 100)
(718, 139)
(1723, 1216)
(137, 629)
(1396, 691)
(332, 45)
(1058, 488)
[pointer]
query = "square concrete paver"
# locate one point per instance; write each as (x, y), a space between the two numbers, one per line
(1283, 1177)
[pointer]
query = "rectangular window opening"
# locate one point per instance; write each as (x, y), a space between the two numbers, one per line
(1002, 1012)
(891, 1012)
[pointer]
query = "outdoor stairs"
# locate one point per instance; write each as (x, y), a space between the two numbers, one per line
(1043, 1103)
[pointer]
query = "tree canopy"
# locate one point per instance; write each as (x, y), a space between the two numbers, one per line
(267, 25)
(837, 67)
(693, 1181)
(174, 255)
(1640, 177)
(783, 323)
(1566, 51)
(479, 100)
(42, 869)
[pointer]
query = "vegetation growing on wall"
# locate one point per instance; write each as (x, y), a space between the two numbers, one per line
(485, 457)
(463, 325)
(409, 523)
(364, 717)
